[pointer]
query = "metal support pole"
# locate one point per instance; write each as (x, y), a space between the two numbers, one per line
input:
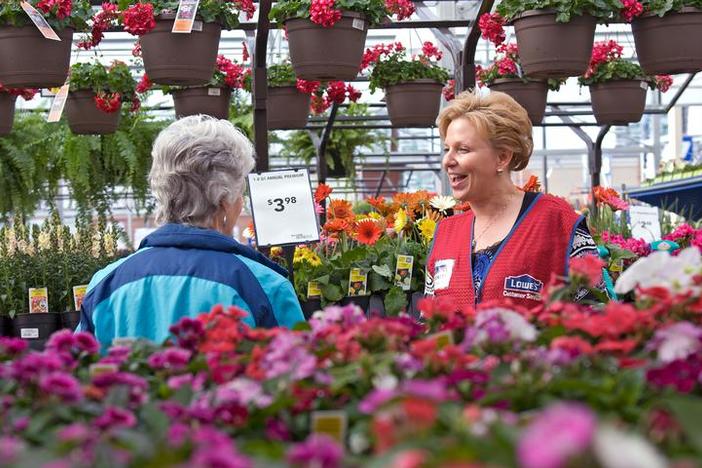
(260, 87)
(596, 163)
(380, 184)
(466, 79)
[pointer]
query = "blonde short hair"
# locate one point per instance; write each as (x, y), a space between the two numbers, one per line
(499, 118)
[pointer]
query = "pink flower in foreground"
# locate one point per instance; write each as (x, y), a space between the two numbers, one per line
(588, 266)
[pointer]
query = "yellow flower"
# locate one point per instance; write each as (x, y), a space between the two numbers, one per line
(427, 226)
(313, 259)
(276, 251)
(374, 215)
(400, 220)
(300, 254)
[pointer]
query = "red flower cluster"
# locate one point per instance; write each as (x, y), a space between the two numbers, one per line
(26, 93)
(247, 6)
(429, 50)
(235, 74)
(402, 8)
(108, 102)
(61, 8)
(449, 90)
(603, 52)
(139, 19)
(664, 82)
(245, 52)
(336, 92)
(322, 12)
(589, 267)
(506, 66)
(631, 9)
(102, 21)
(144, 84)
(491, 27)
(307, 86)
(372, 55)
(322, 192)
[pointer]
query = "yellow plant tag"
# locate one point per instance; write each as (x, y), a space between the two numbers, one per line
(78, 295)
(442, 338)
(38, 300)
(358, 280)
(313, 290)
(58, 103)
(331, 423)
(403, 271)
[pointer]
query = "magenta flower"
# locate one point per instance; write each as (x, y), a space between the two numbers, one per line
(61, 384)
(10, 448)
(137, 386)
(375, 399)
(177, 434)
(188, 332)
(29, 367)
(277, 430)
(318, 451)
(287, 355)
(86, 343)
(117, 355)
(221, 456)
(560, 432)
(431, 389)
(115, 418)
(12, 346)
(244, 392)
(76, 433)
(170, 358)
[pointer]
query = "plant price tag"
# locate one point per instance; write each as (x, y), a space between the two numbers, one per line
(40, 22)
(38, 300)
(58, 103)
(29, 333)
(442, 338)
(331, 423)
(645, 223)
(185, 17)
(283, 208)
(358, 23)
(214, 92)
(78, 295)
(403, 271)
(358, 280)
(313, 290)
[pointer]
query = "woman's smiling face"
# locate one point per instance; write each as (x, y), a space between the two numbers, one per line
(469, 160)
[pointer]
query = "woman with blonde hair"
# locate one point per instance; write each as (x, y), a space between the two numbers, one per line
(511, 242)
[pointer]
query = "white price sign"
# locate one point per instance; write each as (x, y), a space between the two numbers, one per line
(645, 223)
(283, 207)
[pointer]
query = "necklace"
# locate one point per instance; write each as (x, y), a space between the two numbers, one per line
(489, 225)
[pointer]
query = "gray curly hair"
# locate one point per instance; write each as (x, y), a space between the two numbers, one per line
(198, 162)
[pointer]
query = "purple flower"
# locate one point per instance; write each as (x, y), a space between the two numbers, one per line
(319, 451)
(346, 316)
(114, 417)
(29, 367)
(244, 392)
(432, 389)
(375, 399)
(117, 355)
(12, 346)
(287, 355)
(177, 434)
(138, 387)
(75, 433)
(173, 410)
(188, 332)
(560, 432)
(277, 430)
(220, 457)
(10, 448)
(681, 374)
(676, 341)
(170, 358)
(20, 424)
(61, 341)
(61, 384)
(87, 343)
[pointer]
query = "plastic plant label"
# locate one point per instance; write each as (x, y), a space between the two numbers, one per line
(283, 208)
(645, 223)
(331, 423)
(102, 368)
(403, 271)
(313, 290)
(644, 85)
(38, 300)
(214, 92)
(58, 103)
(358, 281)
(185, 17)
(358, 23)
(78, 295)
(40, 22)
(29, 333)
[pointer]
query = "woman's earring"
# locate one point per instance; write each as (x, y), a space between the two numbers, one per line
(500, 171)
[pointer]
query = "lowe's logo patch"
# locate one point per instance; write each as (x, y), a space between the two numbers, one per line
(523, 287)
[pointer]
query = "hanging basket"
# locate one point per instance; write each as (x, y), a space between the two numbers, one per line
(288, 108)
(180, 59)
(7, 112)
(671, 44)
(414, 104)
(530, 95)
(28, 60)
(618, 102)
(327, 54)
(549, 49)
(204, 100)
(84, 117)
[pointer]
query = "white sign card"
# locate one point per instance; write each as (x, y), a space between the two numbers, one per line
(645, 223)
(283, 207)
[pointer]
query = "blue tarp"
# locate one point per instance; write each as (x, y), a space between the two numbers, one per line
(682, 196)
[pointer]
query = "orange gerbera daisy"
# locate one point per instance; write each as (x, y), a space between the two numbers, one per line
(532, 185)
(376, 202)
(322, 192)
(336, 225)
(368, 232)
(340, 209)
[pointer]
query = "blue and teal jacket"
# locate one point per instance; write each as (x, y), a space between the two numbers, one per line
(182, 271)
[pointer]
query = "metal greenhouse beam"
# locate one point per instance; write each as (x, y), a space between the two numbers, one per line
(466, 79)
(260, 87)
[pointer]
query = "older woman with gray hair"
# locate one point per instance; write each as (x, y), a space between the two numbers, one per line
(191, 262)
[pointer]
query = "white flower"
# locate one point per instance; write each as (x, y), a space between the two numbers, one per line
(616, 449)
(660, 269)
(677, 341)
(385, 382)
(517, 327)
(358, 443)
(443, 202)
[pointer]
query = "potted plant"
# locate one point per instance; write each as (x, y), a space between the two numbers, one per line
(173, 59)
(555, 37)
(8, 97)
(327, 37)
(288, 98)
(618, 86)
(412, 87)
(96, 95)
(505, 74)
(212, 99)
(27, 58)
(666, 34)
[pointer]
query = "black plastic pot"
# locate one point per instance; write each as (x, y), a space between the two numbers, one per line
(36, 328)
(310, 306)
(6, 326)
(70, 319)
(361, 301)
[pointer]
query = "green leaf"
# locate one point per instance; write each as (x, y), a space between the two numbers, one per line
(688, 412)
(395, 301)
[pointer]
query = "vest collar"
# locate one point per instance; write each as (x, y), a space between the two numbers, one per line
(191, 237)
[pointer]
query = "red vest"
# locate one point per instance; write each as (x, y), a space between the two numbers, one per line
(537, 247)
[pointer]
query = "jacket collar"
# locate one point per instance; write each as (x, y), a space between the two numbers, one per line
(191, 237)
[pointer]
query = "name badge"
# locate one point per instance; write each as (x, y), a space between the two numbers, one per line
(443, 269)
